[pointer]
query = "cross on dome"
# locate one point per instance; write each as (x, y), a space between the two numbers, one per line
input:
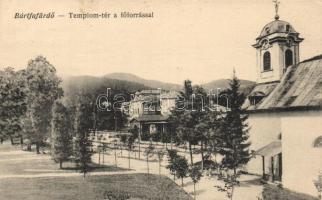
(276, 2)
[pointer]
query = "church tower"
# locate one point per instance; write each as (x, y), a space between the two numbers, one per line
(277, 47)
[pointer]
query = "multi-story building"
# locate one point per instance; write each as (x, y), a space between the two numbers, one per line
(150, 109)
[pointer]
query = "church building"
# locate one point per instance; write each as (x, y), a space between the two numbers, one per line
(285, 110)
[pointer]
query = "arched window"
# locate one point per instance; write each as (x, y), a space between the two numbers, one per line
(267, 61)
(288, 58)
(318, 142)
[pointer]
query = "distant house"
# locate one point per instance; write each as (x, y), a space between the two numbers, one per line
(285, 110)
(150, 109)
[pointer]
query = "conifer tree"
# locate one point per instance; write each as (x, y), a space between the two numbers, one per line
(235, 129)
(83, 125)
(235, 144)
(61, 135)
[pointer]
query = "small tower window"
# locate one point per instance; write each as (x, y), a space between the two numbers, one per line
(287, 28)
(288, 58)
(267, 61)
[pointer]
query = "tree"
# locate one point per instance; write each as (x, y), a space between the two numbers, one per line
(123, 139)
(149, 151)
(235, 129)
(160, 153)
(230, 182)
(83, 124)
(130, 143)
(61, 136)
(186, 121)
(83, 153)
(214, 136)
(135, 135)
(190, 112)
(172, 156)
(43, 90)
(235, 138)
(195, 175)
(13, 102)
(181, 167)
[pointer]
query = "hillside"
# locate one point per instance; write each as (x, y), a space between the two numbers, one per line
(245, 85)
(98, 85)
(146, 82)
(132, 83)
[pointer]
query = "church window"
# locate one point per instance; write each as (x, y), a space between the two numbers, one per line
(318, 142)
(267, 61)
(288, 58)
(287, 28)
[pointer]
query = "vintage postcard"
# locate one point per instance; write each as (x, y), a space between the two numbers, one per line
(160, 100)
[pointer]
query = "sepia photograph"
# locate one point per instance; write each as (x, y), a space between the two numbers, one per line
(161, 100)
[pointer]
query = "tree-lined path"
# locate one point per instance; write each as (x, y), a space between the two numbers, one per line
(16, 164)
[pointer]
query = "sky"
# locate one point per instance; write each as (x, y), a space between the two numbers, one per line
(200, 40)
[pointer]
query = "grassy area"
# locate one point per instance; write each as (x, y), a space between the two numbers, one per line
(35, 164)
(138, 186)
(272, 192)
(16, 162)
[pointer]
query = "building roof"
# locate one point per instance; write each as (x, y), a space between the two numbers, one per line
(151, 118)
(271, 149)
(148, 92)
(276, 26)
(300, 87)
(263, 89)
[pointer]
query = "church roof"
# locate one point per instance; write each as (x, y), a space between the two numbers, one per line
(276, 26)
(299, 88)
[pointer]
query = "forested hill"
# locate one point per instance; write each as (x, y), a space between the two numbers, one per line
(151, 83)
(129, 83)
(99, 85)
(245, 85)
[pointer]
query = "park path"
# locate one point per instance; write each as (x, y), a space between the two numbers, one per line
(249, 189)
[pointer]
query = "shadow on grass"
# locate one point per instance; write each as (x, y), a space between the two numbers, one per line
(252, 182)
(142, 159)
(93, 167)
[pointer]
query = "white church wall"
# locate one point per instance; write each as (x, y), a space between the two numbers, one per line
(301, 162)
(264, 129)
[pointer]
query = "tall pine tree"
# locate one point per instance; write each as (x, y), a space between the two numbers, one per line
(61, 135)
(235, 129)
(82, 125)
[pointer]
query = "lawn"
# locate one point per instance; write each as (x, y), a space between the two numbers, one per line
(28, 163)
(137, 186)
(272, 192)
